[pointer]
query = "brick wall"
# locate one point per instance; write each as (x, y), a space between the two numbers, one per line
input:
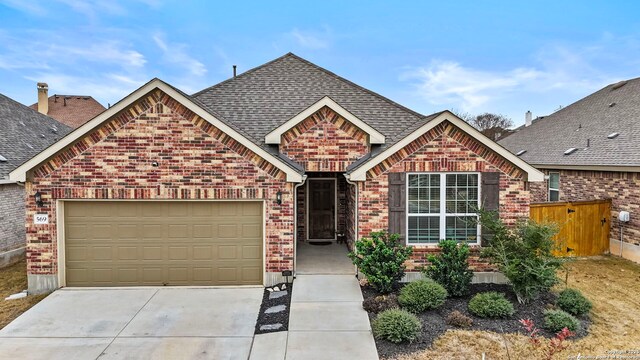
(623, 188)
(325, 142)
(443, 149)
(12, 217)
(196, 161)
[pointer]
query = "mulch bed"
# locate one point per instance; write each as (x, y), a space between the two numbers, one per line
(434, 321)
(274, 318)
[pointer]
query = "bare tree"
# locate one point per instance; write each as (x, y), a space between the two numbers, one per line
(494, 126)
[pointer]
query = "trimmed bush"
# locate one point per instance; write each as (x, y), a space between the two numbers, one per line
(396, 325)
(422, 295)
(556, 320)
(491, 305)
(381, 259)
(380, 303)
(458, 319)
(573, 302)
(450, 268)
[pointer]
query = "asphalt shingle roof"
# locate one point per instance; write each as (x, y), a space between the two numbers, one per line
(24, 133)
(612, 109)
(259, 100)
(72, 110)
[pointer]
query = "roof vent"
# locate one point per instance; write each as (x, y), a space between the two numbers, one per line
(521, 152)
(3, 159)
(30, 146)
(618, 85)
(612, 104)
(42, 136)
(613, 135)
(570, 151)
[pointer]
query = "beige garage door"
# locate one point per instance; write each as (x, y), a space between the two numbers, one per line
(125, 243)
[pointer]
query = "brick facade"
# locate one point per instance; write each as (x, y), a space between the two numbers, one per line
(325, 142)
(442, 149)
(12, 231)
(195, 161)
(623, 188)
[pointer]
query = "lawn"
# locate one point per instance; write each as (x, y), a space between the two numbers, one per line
(612, 284)
(14, 280)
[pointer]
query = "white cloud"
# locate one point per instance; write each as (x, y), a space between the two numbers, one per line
(25, 6)
(311, 40)
(103, 87)
(176, 53)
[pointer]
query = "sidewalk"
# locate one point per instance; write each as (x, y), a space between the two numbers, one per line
(327, 321)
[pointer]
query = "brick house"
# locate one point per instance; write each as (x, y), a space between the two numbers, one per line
(589, 150)
(23, 134)
(219, 187)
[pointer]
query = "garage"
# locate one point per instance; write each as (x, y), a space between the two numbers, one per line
(137, 243)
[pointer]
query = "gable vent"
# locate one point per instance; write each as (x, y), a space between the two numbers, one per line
(3, 159)
(613, 135)
(521, 152)
(570, 151)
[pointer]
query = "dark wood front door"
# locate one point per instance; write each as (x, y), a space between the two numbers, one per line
(322, 209)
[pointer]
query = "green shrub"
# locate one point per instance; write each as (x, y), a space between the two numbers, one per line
(573, 302)
(523, 254)
(491, 305)
(381, 259)
(556, 320)
(458, 319)
(396, 325)
(450, 267)
(380, 303)
(422, 295)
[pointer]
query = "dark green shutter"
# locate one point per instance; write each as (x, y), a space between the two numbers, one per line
(490, 199)
(397, 204)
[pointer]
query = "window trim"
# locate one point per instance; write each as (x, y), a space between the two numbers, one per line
(549, 188)
(442, 215)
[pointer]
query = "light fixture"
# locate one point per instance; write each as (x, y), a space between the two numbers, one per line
(279, 197)
(38, 197)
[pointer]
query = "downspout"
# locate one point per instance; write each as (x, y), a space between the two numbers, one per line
(295, 223)
(346, 176)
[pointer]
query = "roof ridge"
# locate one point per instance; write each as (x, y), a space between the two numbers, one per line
(242, 74)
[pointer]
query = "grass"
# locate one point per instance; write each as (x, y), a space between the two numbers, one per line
(13, 279)
(612, 284)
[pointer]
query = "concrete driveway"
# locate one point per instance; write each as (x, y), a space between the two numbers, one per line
(140, 323)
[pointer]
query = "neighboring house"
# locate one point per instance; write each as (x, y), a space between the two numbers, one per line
(217, 188)
(23, 134)
(71, 110)
(590, 150)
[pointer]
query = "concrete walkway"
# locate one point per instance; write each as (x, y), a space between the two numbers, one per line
(323, 259)
(137, 323)
(327, 321)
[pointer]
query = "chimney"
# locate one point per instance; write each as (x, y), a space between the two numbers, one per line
(527, 118)
(43, 98)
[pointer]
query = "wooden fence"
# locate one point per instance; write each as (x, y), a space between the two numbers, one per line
(583, 225)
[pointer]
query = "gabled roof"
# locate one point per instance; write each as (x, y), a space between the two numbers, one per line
(273, 137)
(264, 98)
(20, 174)
(586, 125)
(72, 110)
(359, 172)
(24, 132)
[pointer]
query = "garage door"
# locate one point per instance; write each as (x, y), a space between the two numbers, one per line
(127, 243)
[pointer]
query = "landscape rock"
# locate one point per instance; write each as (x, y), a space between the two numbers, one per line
(271, 327)
(277, 294)
(276, 309)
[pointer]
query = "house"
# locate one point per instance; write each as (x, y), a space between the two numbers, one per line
(589, 150)
(219, 187)
(71, 110)
(23, 134)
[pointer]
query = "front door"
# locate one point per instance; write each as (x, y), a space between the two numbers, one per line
(321, 215)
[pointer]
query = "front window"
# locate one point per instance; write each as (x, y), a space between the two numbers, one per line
(442, 206)
(554, 186)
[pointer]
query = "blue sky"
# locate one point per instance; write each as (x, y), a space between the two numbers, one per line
(475, 56)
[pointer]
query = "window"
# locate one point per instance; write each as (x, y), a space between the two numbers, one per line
(554, 186)
(442, 206)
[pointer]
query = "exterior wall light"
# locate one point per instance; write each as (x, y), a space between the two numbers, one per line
(38, 197)
(279, 197)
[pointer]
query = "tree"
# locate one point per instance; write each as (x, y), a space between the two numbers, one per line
(493, 126)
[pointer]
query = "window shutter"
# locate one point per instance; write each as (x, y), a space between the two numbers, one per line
(397, 201)
(490, 200)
